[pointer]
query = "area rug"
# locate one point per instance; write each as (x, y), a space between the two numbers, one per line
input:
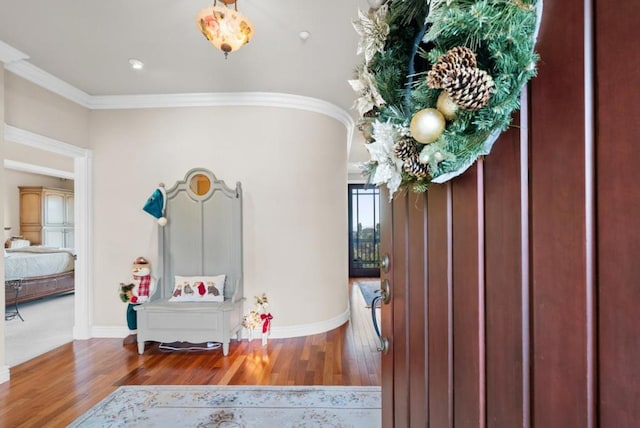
(237, 406)
(369, 290)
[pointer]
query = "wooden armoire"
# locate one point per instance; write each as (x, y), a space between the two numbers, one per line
(516, 286)
(46, 216)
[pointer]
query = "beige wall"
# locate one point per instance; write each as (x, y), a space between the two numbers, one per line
(13, 179)
(35, 109)
(25, 154)
(292, 166)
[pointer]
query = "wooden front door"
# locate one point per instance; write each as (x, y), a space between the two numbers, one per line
(422, 241)
(515, 289)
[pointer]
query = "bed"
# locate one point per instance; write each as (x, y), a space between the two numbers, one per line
(200, 243)
(38, 272)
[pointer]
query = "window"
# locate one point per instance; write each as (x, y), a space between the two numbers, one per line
(364, 231)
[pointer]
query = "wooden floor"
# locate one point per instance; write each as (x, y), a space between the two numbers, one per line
(57, 387)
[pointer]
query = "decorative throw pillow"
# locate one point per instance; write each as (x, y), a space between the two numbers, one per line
(18, 242)
(198, 289)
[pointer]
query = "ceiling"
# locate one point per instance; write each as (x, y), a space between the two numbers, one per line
(88, 44)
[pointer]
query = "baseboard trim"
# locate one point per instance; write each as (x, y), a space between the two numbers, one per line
(4, 374)
(109, 332)
(276, 332)
(309, 329)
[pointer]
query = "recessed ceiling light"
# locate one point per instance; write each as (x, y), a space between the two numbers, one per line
(136, 64)
(304, 35)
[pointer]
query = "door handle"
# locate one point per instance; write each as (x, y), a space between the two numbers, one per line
(384, 342)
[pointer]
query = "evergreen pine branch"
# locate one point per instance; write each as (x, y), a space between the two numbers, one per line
(408, 11)
(498, 31)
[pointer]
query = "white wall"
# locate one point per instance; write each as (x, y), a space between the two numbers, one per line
(292, 166)
(13, 179)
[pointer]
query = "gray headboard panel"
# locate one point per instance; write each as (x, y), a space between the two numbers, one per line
(203, 234)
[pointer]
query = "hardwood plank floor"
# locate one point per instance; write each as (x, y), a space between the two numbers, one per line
(54, 389)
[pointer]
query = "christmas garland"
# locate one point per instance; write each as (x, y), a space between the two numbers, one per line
(439, 83)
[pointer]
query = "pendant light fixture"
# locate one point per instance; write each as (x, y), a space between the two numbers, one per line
(225, 27)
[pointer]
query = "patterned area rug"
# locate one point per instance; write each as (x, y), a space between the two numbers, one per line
(237, 406)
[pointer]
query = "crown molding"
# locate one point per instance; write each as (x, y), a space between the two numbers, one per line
(9, 54)
(48, 81)
(217, 99)
(15, 62)
(227, 99)
(37, 141)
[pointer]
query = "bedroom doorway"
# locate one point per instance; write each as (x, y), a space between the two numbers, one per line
(81, 158)
(364, 230)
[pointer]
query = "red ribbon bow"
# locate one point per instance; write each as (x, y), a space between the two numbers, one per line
(266, 318)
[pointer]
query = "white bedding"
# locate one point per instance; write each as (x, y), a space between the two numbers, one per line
(37, 261)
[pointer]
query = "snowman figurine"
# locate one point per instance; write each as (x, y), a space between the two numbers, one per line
(137, 293)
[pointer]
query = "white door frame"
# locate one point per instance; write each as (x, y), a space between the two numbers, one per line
(83, 215)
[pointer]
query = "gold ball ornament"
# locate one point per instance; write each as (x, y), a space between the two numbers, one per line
(447, 106)
(427, 125)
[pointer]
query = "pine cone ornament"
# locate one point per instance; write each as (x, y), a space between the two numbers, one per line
(464, 56)
(455, 60)
(414, 167)
(470, 88)
(405, 149)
